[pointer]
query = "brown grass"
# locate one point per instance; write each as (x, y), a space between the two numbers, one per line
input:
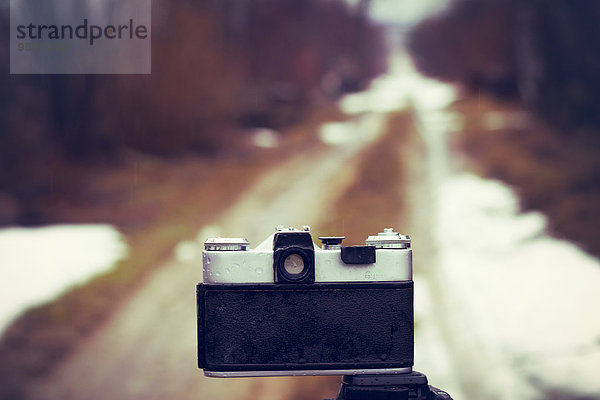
(556, 173)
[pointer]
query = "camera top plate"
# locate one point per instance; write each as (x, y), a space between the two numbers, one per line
(235, 263)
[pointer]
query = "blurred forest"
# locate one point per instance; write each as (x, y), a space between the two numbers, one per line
(543, 52)
(222, 67)
(541, 55)
(218, 67)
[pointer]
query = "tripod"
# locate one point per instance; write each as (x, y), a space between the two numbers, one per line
(410, 386)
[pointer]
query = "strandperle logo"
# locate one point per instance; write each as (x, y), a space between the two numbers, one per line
(84, 31)
(80, 36)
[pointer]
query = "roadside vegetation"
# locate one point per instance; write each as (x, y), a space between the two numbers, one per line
(156, 203)
(558, 177)
(529, 75)
(214, 77)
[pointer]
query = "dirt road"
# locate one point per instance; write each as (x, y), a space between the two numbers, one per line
(147, 350)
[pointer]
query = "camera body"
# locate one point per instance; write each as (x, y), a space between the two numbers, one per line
(290, 307)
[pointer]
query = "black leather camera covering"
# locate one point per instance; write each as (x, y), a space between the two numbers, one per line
(273, 327)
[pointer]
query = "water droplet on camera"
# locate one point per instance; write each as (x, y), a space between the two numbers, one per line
(235, 266)
(207, 259)
(259, 270)
(383, 357)
(217, 274)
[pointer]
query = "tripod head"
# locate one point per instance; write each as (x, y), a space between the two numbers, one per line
(411, 386)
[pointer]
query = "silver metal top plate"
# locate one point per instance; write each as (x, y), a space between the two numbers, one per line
(256, 266)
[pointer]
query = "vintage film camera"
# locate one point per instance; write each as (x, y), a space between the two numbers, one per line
(289, 307)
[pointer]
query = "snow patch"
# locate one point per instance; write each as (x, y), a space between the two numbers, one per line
(531, 298)
(360, 129)
(38, 264)
(400, 87)
(404, 12)
(265, 138)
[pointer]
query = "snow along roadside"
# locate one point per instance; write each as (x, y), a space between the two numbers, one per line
(532, 301)
(38, 264)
